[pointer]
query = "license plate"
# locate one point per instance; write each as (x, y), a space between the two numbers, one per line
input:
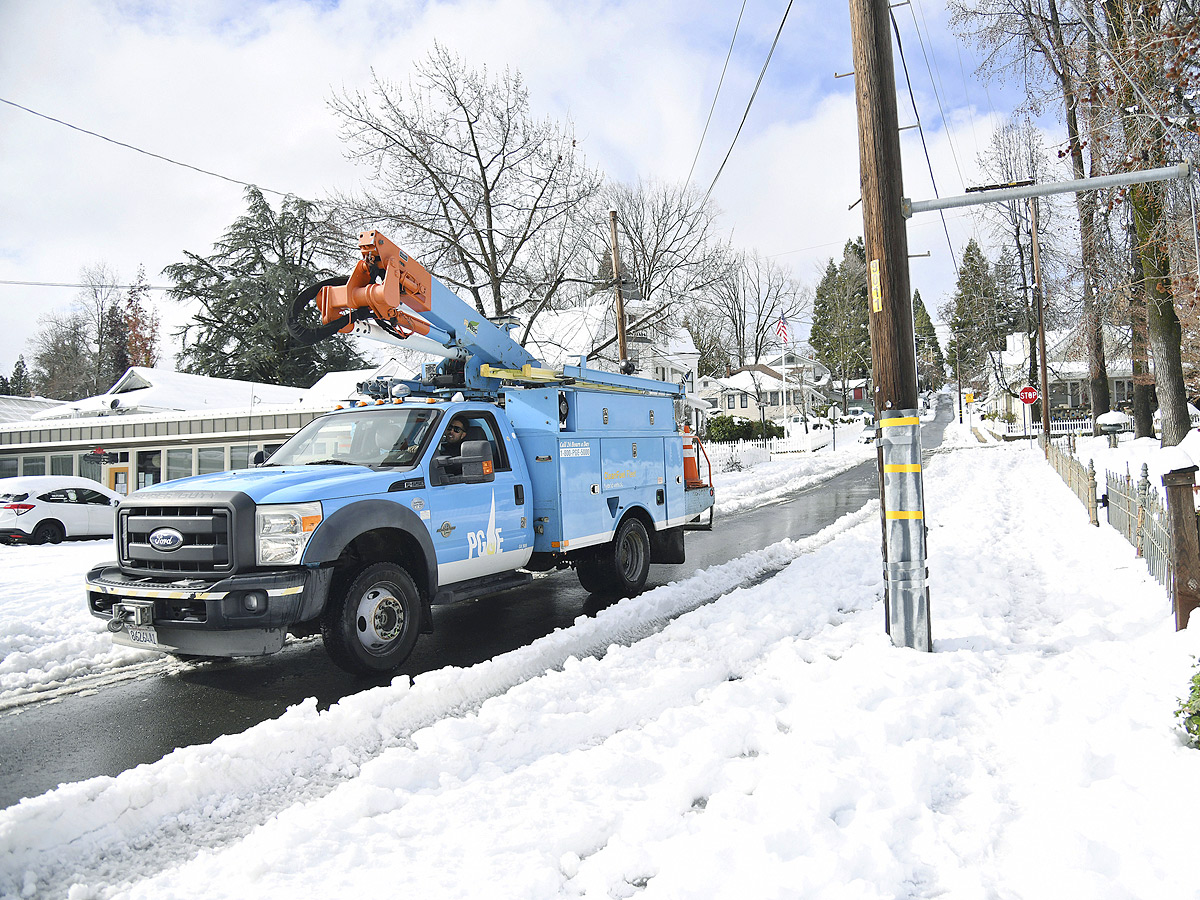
(143, 634)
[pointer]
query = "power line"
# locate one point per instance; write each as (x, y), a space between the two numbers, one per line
(720, 82)
(158, 156)
(921, 131)
(63, 284)
(933, 83)
(746, 115)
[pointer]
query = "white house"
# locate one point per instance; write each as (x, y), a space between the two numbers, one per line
(1066, 374)
(776, 388)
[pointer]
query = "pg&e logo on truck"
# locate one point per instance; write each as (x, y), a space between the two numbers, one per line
(486, 542)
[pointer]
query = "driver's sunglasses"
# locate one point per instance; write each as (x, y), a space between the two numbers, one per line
(458, 428)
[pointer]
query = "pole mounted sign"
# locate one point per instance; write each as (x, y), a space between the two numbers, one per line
(1029, 395)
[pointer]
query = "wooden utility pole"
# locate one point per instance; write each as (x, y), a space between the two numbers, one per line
(893, 349)
(616, 261)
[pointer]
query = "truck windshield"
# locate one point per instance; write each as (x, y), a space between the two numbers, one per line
(385, 437)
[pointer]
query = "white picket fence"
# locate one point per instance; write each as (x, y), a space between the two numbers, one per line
(1059, 427)
(742, 454)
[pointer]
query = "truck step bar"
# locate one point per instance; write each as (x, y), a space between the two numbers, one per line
(481, 587)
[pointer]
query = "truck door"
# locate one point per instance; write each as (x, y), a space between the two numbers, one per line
(479, 529)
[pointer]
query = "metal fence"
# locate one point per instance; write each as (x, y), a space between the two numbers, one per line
(1138, 512)
(1080, 479)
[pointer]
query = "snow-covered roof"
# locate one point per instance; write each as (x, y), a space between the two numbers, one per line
(1065, 355)
(22, 409)
(145, 390)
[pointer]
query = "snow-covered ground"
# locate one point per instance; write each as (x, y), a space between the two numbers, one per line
(769, 743)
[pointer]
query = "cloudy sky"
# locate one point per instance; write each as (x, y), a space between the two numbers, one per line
(241, 88)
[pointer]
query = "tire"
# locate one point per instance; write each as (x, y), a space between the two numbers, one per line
(619, 567)
(592, 575)
(372, 626)
(48, 533)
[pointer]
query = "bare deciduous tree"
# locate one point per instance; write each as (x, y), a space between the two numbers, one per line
(1032, 34)
(494, 202)
(71, 351)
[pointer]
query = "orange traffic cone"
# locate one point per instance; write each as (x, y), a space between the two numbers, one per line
(691, 468)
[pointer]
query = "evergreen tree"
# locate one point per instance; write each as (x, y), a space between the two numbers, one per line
(4, 387)
(978, 320)
(840, 334)
(931, 364)
(244, 292)
(19, 383)
(115, 344)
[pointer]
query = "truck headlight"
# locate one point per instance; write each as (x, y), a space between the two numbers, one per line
(283, 531)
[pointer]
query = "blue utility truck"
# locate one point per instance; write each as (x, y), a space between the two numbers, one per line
(454, 485)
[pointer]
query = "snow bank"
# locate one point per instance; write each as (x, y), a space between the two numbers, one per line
(769, 742)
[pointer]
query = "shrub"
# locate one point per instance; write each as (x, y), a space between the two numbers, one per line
(1188, 712)
(726, 428)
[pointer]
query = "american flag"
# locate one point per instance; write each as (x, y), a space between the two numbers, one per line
(781, 328)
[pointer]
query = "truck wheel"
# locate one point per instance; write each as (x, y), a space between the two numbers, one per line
(593, 577)
(48, 533)
(372, 625)
(621, 566)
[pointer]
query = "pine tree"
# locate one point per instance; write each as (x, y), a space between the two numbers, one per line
(115, 345)
(4, 386)
(978, 322)
(19, 383)
(931, 364)
(840, 335)
(246, 288)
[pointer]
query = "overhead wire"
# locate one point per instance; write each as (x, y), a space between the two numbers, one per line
(158, 156)
(750, 103)
(720, 83)
(933, 83)
(149, 287)
(921, 131)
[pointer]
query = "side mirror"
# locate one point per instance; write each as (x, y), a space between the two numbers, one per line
(259, 458)
(473, 466)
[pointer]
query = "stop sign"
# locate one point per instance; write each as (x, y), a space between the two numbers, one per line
(1028, 395)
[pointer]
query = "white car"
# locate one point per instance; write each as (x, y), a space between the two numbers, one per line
(45, 509)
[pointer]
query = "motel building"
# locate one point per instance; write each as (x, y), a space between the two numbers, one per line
(156, 425)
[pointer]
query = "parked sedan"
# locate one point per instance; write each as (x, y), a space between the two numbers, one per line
(45, 509)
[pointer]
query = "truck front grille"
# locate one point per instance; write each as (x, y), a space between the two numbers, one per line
(207, 533)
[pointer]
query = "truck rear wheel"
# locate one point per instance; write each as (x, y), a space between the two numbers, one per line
(372, 625)
(620, 566)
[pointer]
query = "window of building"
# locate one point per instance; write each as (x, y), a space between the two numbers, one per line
(149, 468)
(745, 401)
(8, 467)
(210, 459)
(33, 465)
(62, 465)
(729, 401)
(774, 401)
(179, 464)
(240, 456)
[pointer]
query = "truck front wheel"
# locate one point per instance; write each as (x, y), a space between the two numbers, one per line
(372, 625)
(621, 566)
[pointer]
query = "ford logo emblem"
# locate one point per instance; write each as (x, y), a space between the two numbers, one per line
(166, 539)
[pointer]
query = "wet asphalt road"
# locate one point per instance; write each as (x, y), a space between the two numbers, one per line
(125, 724)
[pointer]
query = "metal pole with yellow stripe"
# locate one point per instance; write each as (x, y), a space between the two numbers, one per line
(904, 530)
